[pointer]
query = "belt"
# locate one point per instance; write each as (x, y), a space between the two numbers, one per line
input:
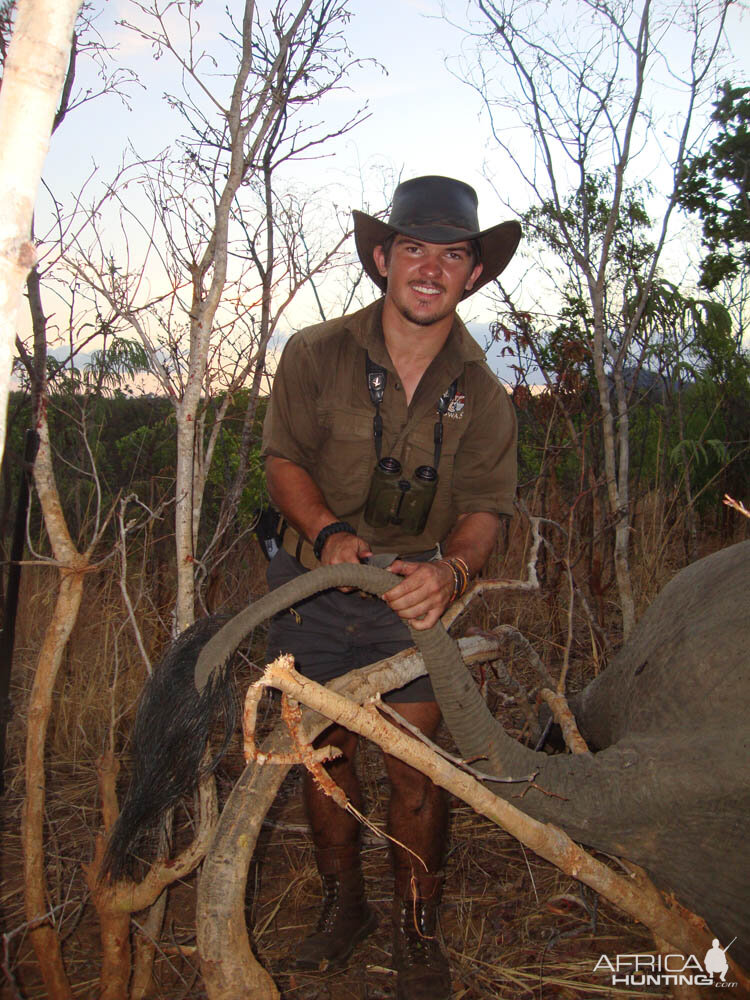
(296, 545)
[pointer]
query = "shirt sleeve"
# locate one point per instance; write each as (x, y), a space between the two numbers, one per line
(291, 428)
(485, 468)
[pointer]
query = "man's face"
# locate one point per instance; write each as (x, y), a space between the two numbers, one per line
(426, 280)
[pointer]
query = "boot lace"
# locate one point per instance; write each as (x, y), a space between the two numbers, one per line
(419, 947)
(330, 906)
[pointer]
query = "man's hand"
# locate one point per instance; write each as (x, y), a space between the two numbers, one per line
(427, 588)
(344, 547)
(298, 498)
(424, 593)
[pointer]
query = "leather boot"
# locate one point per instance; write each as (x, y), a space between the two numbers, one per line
(423, 972)
(345, 918)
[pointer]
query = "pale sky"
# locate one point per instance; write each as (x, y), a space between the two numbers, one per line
(422, 120)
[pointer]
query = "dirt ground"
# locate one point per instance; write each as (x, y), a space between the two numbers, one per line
(513, 926)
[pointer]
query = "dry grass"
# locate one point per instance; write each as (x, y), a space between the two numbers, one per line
(513, 925)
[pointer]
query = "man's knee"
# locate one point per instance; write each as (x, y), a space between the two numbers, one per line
(422, 715)
(343, 739)
(407, 782)
(411, 789)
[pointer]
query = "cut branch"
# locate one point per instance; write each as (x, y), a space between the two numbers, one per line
(544, 839)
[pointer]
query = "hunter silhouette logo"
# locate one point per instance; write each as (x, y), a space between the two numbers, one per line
(716, 959)
(670, 970)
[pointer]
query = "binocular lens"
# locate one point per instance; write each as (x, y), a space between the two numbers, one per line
(426, 474)
(390, 466)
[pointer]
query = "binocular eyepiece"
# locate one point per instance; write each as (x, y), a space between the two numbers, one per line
(393, 499)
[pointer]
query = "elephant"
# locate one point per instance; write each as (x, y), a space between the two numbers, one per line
(666, 783)
(668, 786)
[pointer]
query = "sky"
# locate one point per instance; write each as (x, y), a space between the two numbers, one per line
(421, 120)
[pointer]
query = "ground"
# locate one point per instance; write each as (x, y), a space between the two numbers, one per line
(513, 925)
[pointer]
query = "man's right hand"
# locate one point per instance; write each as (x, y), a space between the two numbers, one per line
(298, 498)
(344, 547)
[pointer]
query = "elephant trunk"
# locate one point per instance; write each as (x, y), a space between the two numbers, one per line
(676, 803)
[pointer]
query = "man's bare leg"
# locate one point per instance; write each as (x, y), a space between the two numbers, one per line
(418, 818)
(418, 810)
(345, 917)
(331, 827)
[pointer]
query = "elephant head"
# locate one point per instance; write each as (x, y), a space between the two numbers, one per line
(669, 784)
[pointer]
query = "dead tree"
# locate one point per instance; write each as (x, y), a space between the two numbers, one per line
(229, 252)
(583, 81)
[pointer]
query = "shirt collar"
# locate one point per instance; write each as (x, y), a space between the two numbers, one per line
(367, 329)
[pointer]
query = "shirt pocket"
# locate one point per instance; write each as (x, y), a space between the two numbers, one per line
(419, 448)
(346, 459)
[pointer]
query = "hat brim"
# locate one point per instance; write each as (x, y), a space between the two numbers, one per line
(497, 245)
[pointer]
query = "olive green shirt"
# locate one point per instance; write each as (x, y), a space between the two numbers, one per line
(321, 418)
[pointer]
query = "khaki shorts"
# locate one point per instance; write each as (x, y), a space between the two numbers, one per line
(333, 633)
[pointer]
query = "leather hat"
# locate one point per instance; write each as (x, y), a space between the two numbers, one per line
(437, 210)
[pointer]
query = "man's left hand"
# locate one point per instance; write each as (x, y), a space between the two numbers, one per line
(424, 593)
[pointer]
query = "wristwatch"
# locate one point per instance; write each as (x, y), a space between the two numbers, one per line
(325, 534)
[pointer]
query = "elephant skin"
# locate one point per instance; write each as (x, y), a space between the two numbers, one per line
(669, 785)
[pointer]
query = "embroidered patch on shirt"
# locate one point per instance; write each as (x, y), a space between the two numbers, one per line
(456, 409)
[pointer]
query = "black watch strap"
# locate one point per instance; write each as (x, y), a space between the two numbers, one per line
(325, 534)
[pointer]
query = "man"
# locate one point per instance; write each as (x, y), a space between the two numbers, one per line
(388, 433)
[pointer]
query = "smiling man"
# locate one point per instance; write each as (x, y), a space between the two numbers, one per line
(389, 439)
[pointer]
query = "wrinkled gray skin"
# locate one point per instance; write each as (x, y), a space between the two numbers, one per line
(669, 787)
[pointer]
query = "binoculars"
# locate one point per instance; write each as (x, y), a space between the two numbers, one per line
(403, 502)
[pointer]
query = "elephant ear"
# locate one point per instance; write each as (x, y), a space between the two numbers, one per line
(686, 662)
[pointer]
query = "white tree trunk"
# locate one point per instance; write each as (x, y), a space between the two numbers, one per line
(616, 444)
(34, 73)
(184, 504)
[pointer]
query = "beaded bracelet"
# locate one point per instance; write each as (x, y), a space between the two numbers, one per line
(461, 576)
(456, 581)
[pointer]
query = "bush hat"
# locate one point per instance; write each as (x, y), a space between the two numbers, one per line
(437, 210)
